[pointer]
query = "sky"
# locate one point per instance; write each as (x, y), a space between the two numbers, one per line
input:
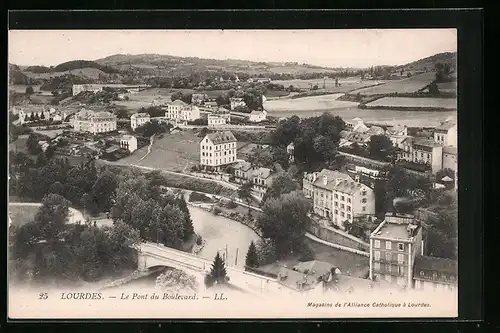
(330, 48)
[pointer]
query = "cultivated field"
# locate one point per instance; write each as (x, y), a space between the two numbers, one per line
(346, 84)
(21, 88)
(409, 85)
(174, 152)
(409, 102)
(447, 86)
(312, 103)
(92, 73)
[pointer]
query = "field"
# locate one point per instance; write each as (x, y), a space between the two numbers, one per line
(409, 102)
(409, 85)
(346, 84)
(92, 73)
(22, 88)
(312, 103)
(447, 86)
(173, 152)
(21, 215)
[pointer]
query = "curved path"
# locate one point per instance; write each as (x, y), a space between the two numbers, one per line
(151, 141)
(73, 217)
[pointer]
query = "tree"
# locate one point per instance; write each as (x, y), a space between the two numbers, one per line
(218, 274)
(104, 190)
(245, 192)
(282, 184)
(32, 144)
(29, 90)
(433, 89)
(379, 147)
(251, 258)
(284, 220)
(447, 172)
(52, 217)
(442, 227)
(380, 192)
(32, 116)
(122, 113)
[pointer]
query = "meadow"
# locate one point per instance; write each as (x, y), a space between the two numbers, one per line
(409, 102)
(346, 84)
(312, 103)
(447, 86)
(173, 152)
(408, 85)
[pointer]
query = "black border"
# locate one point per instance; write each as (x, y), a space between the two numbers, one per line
(470, 36)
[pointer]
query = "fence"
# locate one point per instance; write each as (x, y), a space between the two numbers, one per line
(337, 246)
(260, 272)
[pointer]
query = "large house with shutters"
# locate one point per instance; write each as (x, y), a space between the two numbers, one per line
(218, 150)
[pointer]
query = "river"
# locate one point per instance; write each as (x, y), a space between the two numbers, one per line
(218, 232)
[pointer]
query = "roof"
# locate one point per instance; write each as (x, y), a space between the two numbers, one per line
(236, 99)
(243, 165)
(221, 137)
(103, 114)
(262, 173)
(446, 179)
(360, 128)
(141, 115)
(435, 264)
(112, 149)
(178, 102)
(425, 142)
(375, 130)
(360, 137)
(348, 187)
(397, 129)
(127, 137)
(314, 267)
(446, 125)
(450, 150)
(330, 176)
(256, 112)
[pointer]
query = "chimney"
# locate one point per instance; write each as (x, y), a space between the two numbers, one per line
(325, 180)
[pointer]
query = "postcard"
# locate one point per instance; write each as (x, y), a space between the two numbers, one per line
(260, 174)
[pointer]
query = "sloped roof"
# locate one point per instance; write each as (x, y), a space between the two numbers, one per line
(446, 125)
(395, 130)
(374, 130)
(435, 264)
(103, 114)
(141, 115)
(262, 173)
(450, 150)
(425, 142)
(179, 103)
(348, 187)
(243, 165)
(221, 137)
(360, 128)
(330, 176)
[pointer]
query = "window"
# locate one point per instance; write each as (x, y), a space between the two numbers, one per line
(452, 278)
(349, 216)
(429, 156)
(389, 268)
(401, 247)
(400, 270)
(434, 275)
(388, 245)
(377, 244)
(422, 273)
(342, 214)
(348, 208)
(377, 255)
(376, 265)
(363, 193)
(349, 200)
(342, 198)
(336, 204)
(400, 258)
(363, 209)
(388, 256)
(336, 212)
(342, 206)
(336, 196)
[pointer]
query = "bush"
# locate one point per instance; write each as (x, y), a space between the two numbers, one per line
(199, 240)
(266, 252)
(195, 196)
(209, 281)
(217, 211)
(231, 205)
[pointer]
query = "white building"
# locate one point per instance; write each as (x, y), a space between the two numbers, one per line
(237, 101)
(290, 150)
(128, 142)
(218, 149)
(180, 111)
(94, 122)
(139, 119)
(336, 196)
(446, 134)
(215, 120)
(257, 116)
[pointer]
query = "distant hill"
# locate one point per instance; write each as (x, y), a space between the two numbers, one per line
(174, 65)
(429, 63)
(37, 69)
(80, 64)
(16, 76)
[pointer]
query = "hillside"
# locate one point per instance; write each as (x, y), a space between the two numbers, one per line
(79, 64)
(429, 63)
(175, 64)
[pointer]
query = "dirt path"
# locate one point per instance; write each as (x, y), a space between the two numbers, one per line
(151, 141)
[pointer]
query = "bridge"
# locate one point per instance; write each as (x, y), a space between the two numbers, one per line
(152, 254)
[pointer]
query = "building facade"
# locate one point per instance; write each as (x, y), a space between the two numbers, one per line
(394, 245)
(215, 120)
(94, 122)
(424, 151)
(446, 134)
(257, 116)
(218, 150)
(435, 274)
(139, 119)
(236, 101)
(180, 111)
(337, 197)
(30, 115)
(128, 142)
